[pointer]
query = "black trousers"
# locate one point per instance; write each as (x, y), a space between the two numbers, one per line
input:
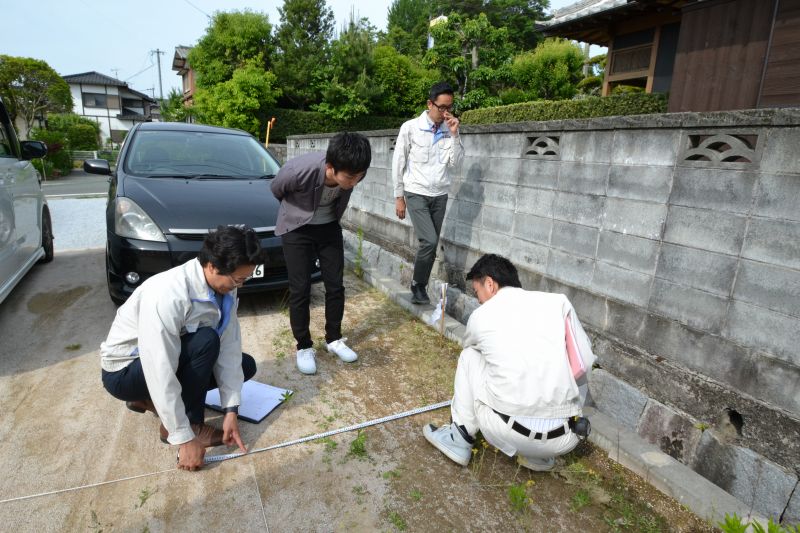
(300, 248)
(199, 352)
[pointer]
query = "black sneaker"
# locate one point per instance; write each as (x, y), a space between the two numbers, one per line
(419, 295)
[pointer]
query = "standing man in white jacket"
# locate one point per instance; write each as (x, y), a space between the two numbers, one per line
(517, 379)
(177, 337)
(427, 149)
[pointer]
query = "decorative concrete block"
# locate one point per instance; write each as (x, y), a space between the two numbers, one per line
(587, 146)
(579, 208)
(497, 219)
(644, 219)
(570, 268)
(574, 238)
(698, 309)
(532, 228)
(628, 251)
(651, 147)
(586, 178)
(773, 241)
(768, 286)
(777, 196)
(746, 475)
(649, 183)
(780, 151)
(705, 229)
(697, 268)
(539, 173)
(535, 201)
(621, 284)
(721, 190)
(673, 432)
(616, 398)
(763, 329)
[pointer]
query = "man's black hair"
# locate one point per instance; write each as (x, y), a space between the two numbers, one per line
(230, 247)
(349, 152)
(441, 87)
(496, 267)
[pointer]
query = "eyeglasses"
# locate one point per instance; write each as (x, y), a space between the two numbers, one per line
(443, 108)
(240, 282)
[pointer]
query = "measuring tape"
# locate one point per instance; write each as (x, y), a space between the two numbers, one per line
(219, 458)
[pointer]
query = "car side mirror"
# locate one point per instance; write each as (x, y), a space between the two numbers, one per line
(33, 149)
(96, 166)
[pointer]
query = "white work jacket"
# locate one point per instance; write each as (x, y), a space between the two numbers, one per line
(149, 326)
(423, 160)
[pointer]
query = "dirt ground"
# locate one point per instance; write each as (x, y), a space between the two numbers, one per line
(60, 430)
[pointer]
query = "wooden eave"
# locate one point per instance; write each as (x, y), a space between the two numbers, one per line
(599, 28)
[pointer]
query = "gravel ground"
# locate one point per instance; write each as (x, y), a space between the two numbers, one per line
(78, 223)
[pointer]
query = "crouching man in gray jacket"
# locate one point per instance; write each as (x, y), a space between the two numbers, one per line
(178, 337)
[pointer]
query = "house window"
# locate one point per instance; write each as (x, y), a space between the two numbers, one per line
(95, 100)
(107, 101)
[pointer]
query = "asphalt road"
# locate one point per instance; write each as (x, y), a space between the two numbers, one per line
(76, 185)
(78, 223)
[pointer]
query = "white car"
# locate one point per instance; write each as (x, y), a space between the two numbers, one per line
(26, 232)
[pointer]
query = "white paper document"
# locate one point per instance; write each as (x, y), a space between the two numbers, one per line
(258, 400)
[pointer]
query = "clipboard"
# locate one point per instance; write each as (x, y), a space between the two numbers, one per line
(258, 400)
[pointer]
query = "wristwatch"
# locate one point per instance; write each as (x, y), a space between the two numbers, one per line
(233, 409)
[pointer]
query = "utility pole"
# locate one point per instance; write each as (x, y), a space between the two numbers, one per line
(116, 72)
(158, 54)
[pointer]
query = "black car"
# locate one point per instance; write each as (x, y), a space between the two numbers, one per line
(172, 184)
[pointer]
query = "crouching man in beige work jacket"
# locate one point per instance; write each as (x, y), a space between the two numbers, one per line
(517, 377)
(178, 337)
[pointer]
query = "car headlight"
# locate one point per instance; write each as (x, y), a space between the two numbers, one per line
(132, 222)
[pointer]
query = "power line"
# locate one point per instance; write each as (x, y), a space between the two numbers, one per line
(143, 70)
(197, 8)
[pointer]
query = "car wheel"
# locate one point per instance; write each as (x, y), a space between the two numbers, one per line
(47, 237)
(117, 301)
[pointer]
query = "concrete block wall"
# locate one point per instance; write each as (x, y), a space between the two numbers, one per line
(676, 236)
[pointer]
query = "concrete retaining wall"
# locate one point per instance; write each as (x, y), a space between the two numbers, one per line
(677, 238)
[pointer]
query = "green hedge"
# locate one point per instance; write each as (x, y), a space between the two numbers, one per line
(593, 106)
(293, 122)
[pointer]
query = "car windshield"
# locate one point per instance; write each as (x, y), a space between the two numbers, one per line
(194, 154)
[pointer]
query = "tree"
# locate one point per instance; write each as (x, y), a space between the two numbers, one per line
(348, 90)
(403, 84)
(80, 133)
(551, 71)
(303, 41)
(463, 46)
(241, 102)
(517, 16)
(173, 108)
(31, 88)
(231, 40)
(407, 26)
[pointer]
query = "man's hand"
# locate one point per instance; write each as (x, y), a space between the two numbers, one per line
(400, 207)
(230, 432)
(452, 123)
(190, 455)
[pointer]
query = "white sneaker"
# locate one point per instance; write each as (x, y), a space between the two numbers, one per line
(306, 362)
(536, 464)
(450, 442)
(342, 350)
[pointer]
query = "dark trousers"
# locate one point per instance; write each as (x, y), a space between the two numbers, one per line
(199, 352)
(427, 215)
(300, 248)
